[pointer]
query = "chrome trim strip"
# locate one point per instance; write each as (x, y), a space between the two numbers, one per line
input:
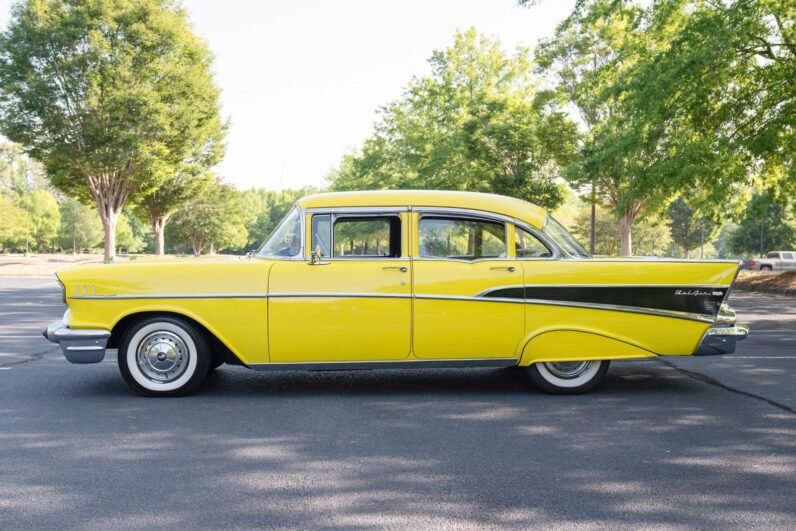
(338, 295)
(586, 305)
(401, 364)
(386, 210)
(175, 296)
(490, 290)
(625, 309)
(470, 299)
(421, 296)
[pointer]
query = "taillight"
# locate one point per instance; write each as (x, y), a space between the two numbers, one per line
(751, 263)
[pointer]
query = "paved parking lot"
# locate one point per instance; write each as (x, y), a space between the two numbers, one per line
(674, 443)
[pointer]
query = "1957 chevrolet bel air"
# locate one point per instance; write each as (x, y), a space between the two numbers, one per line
(402, 279)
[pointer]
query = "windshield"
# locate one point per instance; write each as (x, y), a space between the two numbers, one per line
(564, 239)
(286, 238)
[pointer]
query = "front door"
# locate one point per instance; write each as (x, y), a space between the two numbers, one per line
(468, 288)
(352, 301)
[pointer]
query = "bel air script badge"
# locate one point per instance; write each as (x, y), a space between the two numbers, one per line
(698, 293)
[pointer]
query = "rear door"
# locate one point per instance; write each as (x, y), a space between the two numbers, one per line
(468, 287)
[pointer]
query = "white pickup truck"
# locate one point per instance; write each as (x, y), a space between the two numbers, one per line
(775, 261)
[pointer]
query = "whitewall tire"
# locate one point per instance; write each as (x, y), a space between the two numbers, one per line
(567, 378)
(164, 356)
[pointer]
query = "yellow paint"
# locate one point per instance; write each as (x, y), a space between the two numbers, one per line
(369, 313)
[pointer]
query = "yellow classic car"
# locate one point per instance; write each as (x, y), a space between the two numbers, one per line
(398, 279)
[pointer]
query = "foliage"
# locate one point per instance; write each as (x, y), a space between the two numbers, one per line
(607, 240)
(16, 225)
(81, 228)
(112, 96)
(213, 219)
(688, 230)
(46, 218)
(766, 226)
(127, 237)
(264, 209)
(477, 123)
(715, 105)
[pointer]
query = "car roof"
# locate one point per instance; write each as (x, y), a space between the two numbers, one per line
(499, 204)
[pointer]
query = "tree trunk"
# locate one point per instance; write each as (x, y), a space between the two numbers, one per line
(197, 246)
(687, 253)
(109, 220)
(159, 228)
(625, 234)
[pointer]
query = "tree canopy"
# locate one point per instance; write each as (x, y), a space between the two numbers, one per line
(111, 95)
(479, 123)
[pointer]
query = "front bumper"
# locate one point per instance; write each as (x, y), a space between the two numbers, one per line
(78, 346)
(721, 340)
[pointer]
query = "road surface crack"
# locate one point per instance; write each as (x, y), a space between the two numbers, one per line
(31, 358)
(712, 381)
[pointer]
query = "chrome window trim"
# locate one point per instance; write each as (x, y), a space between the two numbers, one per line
(542, 237)
(387, 210)
(336, 213)
(302, 251)
(462, 213)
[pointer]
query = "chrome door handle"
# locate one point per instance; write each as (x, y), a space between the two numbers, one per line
(510, 269)
(402, 269)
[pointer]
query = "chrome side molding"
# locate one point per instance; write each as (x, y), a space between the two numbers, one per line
(400, 364)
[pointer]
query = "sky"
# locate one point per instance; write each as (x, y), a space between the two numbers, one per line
(302, 80)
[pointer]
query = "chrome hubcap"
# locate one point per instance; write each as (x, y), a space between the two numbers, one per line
(162, 357)
(568, 370)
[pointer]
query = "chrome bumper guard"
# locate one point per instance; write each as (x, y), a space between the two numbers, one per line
(78, 346)
(721, 340)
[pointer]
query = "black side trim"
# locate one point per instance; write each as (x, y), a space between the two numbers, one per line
(704, 301)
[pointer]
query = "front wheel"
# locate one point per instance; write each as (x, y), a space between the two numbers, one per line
(567, 378)
(164, 356)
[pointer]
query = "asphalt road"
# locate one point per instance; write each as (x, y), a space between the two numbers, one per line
(673, 443)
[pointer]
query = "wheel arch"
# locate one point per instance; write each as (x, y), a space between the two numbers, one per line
(219, 348)
(578, 345)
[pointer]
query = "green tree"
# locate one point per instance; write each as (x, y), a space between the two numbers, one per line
(111, 95)
(688, 229)
(606, 239)
(158, 206)
(264, 209)
(80, 226)
(16, 225)
(46, 217)
(716, 103)
(588, 57)
(477, 123)
(213, 219)
(766, 226)
(127, 237)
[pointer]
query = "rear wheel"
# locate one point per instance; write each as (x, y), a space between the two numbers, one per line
(765, 268)
(567, 378)
(164, 356)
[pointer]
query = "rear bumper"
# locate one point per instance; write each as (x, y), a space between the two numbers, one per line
(78, 346)
(721, 340)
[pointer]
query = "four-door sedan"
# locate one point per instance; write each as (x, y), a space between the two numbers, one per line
(399, 279)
